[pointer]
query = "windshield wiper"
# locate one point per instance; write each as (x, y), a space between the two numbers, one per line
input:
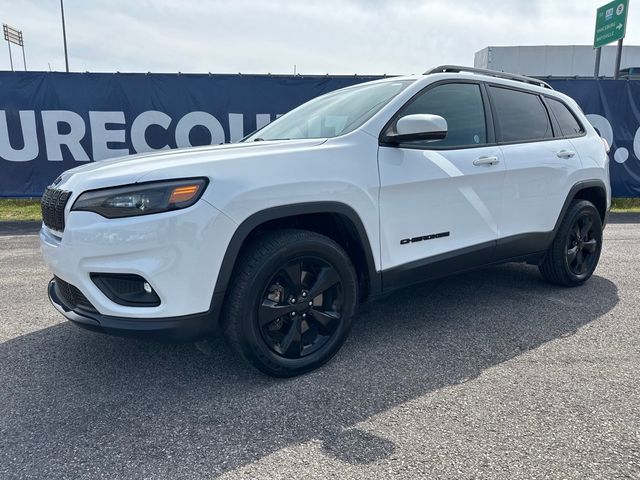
(259, 139)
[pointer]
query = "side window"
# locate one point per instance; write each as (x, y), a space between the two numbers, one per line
(567, 120)
(521, 116)
(460, 104)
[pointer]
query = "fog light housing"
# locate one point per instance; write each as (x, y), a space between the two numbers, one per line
(126, 289)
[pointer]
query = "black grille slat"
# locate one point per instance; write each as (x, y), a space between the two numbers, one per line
(73, 297)
(53, 204)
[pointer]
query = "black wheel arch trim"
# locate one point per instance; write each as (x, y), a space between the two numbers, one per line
(577, 188)
(292, 210)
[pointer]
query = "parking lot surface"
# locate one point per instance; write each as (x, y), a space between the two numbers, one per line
(490, 374)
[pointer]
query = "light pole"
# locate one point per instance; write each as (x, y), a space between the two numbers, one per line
(8, 45)
(64, 38)
(13, 35)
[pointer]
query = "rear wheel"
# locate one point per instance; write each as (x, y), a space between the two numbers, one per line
(574, 253)
(291, 302)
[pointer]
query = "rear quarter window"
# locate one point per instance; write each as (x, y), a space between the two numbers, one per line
(567, 121)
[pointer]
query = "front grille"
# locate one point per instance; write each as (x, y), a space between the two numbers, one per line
(53, 202)
(73, 297)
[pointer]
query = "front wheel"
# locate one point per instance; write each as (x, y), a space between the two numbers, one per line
(291, 302)
(574, 253)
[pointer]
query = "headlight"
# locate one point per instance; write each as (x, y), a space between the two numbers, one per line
(141, 198)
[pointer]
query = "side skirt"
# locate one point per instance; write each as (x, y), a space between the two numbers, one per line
(528, 248)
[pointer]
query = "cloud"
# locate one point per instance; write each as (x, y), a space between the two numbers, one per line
(251, 36)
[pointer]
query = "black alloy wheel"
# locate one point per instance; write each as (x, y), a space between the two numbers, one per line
(574, 253)
(291, 302)
(582, 246)
(301, 307)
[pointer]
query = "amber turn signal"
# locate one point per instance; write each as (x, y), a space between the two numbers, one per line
(184, 194)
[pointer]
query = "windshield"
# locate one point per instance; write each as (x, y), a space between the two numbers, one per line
(333, 114)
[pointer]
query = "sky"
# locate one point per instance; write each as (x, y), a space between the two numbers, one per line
(271, 36)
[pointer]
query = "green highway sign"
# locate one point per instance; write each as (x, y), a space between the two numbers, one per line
(611, 23)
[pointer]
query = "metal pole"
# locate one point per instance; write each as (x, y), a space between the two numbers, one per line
(596, 72)
(10, 59)
(24, 59)
(618, 59)
(64, 37)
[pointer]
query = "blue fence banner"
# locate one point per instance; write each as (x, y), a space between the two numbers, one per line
(51, 122)
(613, 108)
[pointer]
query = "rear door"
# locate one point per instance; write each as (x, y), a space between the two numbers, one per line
(539, 166)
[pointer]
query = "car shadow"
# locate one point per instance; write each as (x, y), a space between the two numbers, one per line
(72, 402)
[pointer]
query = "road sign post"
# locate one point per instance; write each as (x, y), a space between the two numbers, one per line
(611, 26)
(618, 59)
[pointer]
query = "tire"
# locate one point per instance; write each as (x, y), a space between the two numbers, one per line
(291, 302)
(575, 251)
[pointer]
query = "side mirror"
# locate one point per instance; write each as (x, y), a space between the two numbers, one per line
(416, 127)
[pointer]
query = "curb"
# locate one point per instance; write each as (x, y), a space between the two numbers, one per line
(622, 217)
(19, 228)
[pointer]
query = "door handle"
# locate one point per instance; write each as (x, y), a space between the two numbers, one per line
(566, 154)
(486, 161)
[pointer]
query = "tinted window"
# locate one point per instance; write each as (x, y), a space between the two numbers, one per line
(460, 104)
(521, 116)
(568, 123)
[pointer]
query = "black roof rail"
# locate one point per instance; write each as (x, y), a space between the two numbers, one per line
(490, 73)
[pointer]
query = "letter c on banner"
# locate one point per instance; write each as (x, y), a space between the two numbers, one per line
(192, 119)
(139, 129)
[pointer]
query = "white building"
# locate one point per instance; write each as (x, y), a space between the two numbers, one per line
(555, 61)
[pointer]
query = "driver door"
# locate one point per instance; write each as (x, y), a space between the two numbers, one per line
(440, 201)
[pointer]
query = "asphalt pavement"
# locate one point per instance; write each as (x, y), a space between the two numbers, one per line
(491, 374)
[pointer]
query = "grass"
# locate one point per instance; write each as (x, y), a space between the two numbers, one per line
(628, 205)
(19, 209)
(22, 209)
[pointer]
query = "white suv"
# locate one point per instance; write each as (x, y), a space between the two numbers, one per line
(374, 187)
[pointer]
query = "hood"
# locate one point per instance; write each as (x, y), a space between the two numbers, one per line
(133, 168)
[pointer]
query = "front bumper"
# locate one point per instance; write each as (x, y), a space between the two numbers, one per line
(178, 253)
(184, 328)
